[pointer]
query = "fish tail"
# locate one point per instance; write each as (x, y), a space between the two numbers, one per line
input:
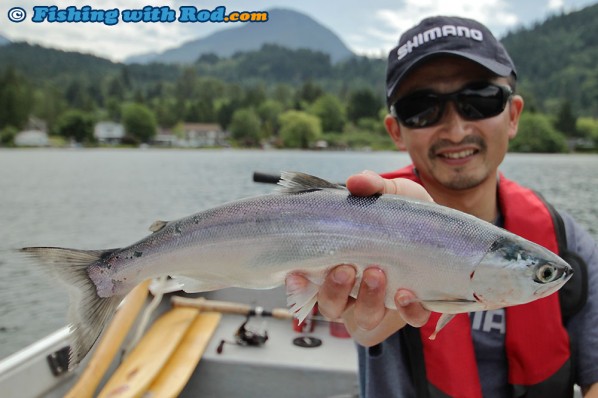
(88, 313)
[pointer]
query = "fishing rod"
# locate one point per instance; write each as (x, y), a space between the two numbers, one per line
(266, 178)
(227, 307)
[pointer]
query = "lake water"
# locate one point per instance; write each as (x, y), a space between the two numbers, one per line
(95, 199)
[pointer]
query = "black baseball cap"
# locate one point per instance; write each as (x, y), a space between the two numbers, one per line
(443, 35)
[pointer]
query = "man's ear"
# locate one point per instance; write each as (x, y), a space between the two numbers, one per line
(394, 130)
(515, 109)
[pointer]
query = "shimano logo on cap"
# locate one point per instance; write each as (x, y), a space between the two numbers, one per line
(437, 33)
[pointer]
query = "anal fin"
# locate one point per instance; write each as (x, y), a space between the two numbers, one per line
(302, 298)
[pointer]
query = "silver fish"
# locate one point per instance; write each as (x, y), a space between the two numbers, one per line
(452, 261)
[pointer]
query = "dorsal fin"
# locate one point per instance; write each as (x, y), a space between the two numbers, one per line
(295, 182)
(157, 225)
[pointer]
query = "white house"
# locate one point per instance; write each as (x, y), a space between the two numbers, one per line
(109, 132)
(32, 138)
(203, 134)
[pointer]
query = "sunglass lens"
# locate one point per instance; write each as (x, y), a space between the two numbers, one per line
(419, 112)
(481, 103)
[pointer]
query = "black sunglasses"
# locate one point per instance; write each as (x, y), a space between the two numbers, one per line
(473, 102)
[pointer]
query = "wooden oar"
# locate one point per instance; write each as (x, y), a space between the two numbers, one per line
(142, 366)
(179, 368)
(110, 343)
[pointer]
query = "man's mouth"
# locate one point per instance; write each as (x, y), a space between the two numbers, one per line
(458, 155)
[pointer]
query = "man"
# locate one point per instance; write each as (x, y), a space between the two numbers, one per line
(453, 107)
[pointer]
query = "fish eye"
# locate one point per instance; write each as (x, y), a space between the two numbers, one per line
(547, 273)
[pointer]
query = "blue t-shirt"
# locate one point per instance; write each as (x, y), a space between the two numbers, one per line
(384, 373)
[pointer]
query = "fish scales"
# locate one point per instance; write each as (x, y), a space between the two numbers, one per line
(450, 260)
(327, 230)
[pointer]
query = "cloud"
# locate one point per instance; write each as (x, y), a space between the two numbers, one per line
(393, 22)
(113, 42)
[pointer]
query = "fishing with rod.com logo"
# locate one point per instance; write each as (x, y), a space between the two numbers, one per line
(146, 14)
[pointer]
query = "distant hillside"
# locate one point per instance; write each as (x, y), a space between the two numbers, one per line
(285, 28)
(557, 59)
(4, 40)
(46, 63)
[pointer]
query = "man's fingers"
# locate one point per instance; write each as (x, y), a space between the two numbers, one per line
(365, 184)
(333, 296)
(369, 308)
(368, 311)
(410, 309)
(369, 183)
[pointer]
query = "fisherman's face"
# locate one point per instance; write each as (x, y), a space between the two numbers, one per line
(455, 153)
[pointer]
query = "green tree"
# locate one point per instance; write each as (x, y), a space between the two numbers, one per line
(77, 95)
(269, 112)
(536, 134)
(363, 103)
(186, 84)
(331, 112)
(48, 104)
(566, 121)
(299, 129)
(139, 122)
(113, 109)
(76, 125)
(165, 109)
(15, 99)
(588, 129)
(225, 111)
(200, 111)
(308, 93)
(283, 94)
(7, 136)
(253, 96)
(245, 127)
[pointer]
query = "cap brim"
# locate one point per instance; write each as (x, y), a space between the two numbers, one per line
(490, 64)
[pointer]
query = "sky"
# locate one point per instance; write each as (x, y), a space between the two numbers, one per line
(368, 28)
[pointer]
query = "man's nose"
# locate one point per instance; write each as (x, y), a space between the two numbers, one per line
(454, 126)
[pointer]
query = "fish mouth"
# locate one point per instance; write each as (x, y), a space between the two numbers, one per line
(544, 291)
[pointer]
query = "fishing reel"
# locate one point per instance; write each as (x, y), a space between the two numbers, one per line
(245, 337)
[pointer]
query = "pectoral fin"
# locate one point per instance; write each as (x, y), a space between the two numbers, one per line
(442, 322)
(191, 285)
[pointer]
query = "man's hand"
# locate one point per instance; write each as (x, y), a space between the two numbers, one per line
(367, 319)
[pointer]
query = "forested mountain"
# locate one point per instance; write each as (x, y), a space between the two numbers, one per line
(557, 61)
(286, 28)
(40, 63)
(3, 40)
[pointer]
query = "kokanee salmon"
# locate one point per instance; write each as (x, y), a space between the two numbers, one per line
(452, 261)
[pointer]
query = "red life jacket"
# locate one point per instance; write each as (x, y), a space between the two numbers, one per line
(537, 343)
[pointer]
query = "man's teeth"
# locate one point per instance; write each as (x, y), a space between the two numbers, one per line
(458, 155)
